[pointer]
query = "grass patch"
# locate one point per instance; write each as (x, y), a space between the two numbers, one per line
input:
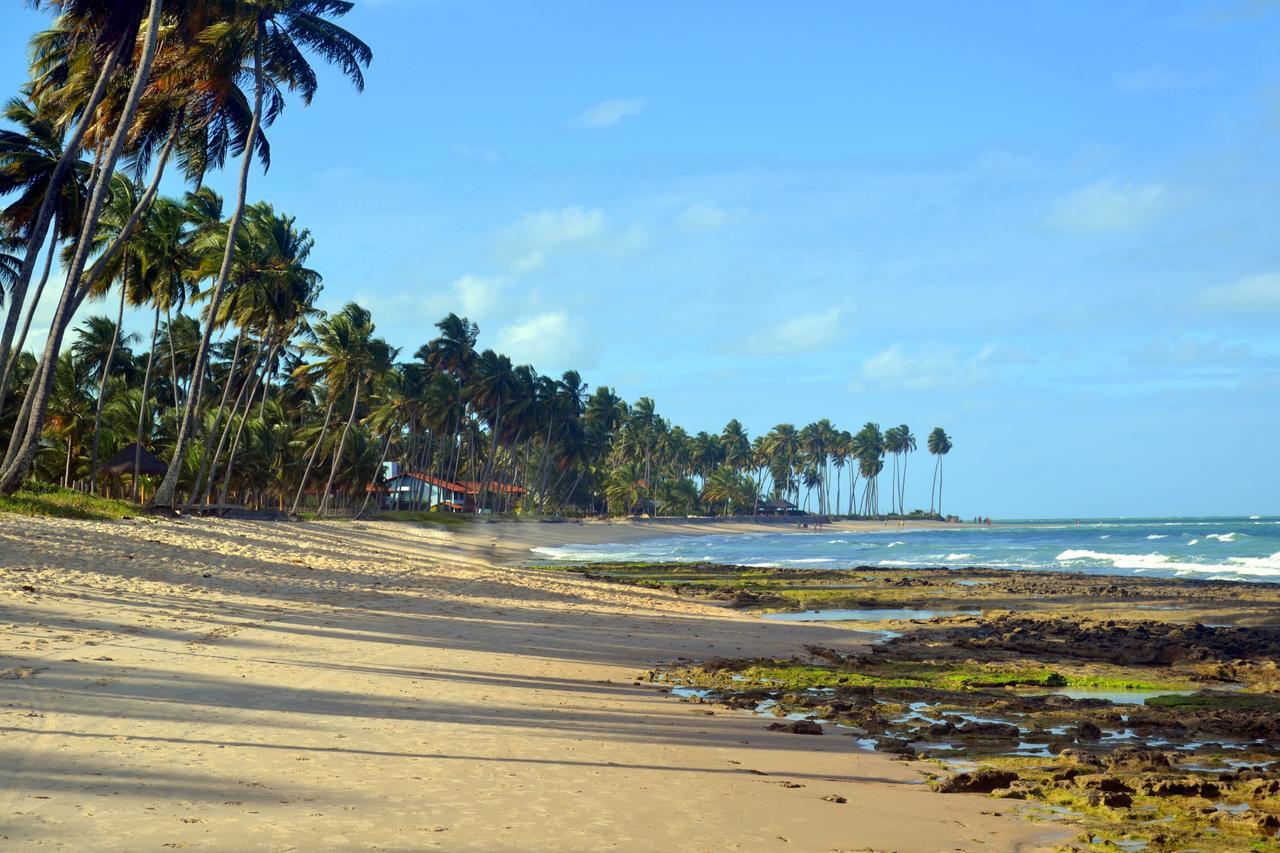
(1217, 702)
(410, 516)
(65, 503)
(784, 675)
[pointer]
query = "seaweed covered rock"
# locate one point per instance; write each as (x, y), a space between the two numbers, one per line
(797, 727)
(984, 780)
(1133, 759)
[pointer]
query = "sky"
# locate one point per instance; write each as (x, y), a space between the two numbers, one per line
(1050, 230)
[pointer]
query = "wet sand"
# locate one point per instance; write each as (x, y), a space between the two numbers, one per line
(272, 686)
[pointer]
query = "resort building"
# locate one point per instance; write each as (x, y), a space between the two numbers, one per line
(415, 490)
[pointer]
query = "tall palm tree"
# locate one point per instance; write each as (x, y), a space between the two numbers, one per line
(939, 444)
(278, 31)
(343, 353)
(907, 446)
(30, 155)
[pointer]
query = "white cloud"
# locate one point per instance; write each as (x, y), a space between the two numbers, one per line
(477, 295)
(550, 341)
(704, 217)
(607, 113)
(1251, 294)
(1110, 206)
(478, 153)
(801, 333)
(1159, 78)
(1185, 351)
(931, 367)
(525, 244)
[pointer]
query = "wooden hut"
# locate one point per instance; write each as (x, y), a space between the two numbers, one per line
(121, 464)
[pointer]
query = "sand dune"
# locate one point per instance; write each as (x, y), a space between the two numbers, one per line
(257, 686)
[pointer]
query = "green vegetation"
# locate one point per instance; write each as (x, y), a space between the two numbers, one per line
(252, 394)
(443, 519)
(65, 503)
(887, 674)
(1218, 702)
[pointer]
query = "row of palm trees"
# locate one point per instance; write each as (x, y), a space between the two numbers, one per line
(117, 92)
(249, 393)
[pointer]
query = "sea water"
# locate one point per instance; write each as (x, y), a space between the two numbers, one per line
(1211, 548)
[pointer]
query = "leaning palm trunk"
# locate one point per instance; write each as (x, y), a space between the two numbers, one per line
(306, 472)
(15, 306)
(142, 407)
(165, 494)
(235, 444)
(207, 466)
(102, 389)
(337, 454)
(73, 292)
(250, 375)
(70, 154)
(373, 481)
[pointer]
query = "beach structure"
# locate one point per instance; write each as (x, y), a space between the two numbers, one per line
(413, 489)
(779, 507)
(121, 464)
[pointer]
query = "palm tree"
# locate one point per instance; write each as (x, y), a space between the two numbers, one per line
(105, 19)
(343, 353)
(29, 156)
(939, 445)
(278, 30)
(906, 445)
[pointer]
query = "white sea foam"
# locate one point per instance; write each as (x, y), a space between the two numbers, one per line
(1193, 542)
(891, 544)
(1105, 536)
(959, 557)
(1251, 566)
(1158, 536)
(1254, 517)
(1222, 537)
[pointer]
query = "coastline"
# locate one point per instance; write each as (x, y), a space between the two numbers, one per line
(254, 685)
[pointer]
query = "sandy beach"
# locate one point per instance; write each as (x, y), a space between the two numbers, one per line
(278, 686)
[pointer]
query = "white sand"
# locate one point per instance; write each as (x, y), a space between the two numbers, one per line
(253, 686)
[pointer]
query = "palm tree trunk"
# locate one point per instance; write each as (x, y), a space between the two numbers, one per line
(66, 472)
(940, 485)
(306, 473)
(142, 408)
(342, 443)
(250, 374)
(102, 385)
(15, 305)
(933, 487)
(29, 438)
(165, 494)
(70, 155)
(217, 422)
(373, 481)
(259, 379)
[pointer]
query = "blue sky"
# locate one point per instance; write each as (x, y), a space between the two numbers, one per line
(1051, 231)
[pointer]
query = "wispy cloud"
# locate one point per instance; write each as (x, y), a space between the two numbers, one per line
(1253, 294)
(478, 153)
(550, 340)
(705, 217)
(526, 244)
(607, 114)
(800, 333)
(1156, 78)
(1110, 206)
(933, 367)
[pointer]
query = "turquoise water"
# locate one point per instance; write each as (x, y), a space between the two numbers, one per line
(1211, 548)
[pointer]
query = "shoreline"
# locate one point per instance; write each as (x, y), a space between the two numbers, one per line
(252, 685)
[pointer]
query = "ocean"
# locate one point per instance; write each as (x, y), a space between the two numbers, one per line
(1237, 549)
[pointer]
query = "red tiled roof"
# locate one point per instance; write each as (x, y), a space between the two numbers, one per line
(466, 487)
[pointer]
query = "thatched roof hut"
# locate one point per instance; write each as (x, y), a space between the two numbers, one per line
(122, 463)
